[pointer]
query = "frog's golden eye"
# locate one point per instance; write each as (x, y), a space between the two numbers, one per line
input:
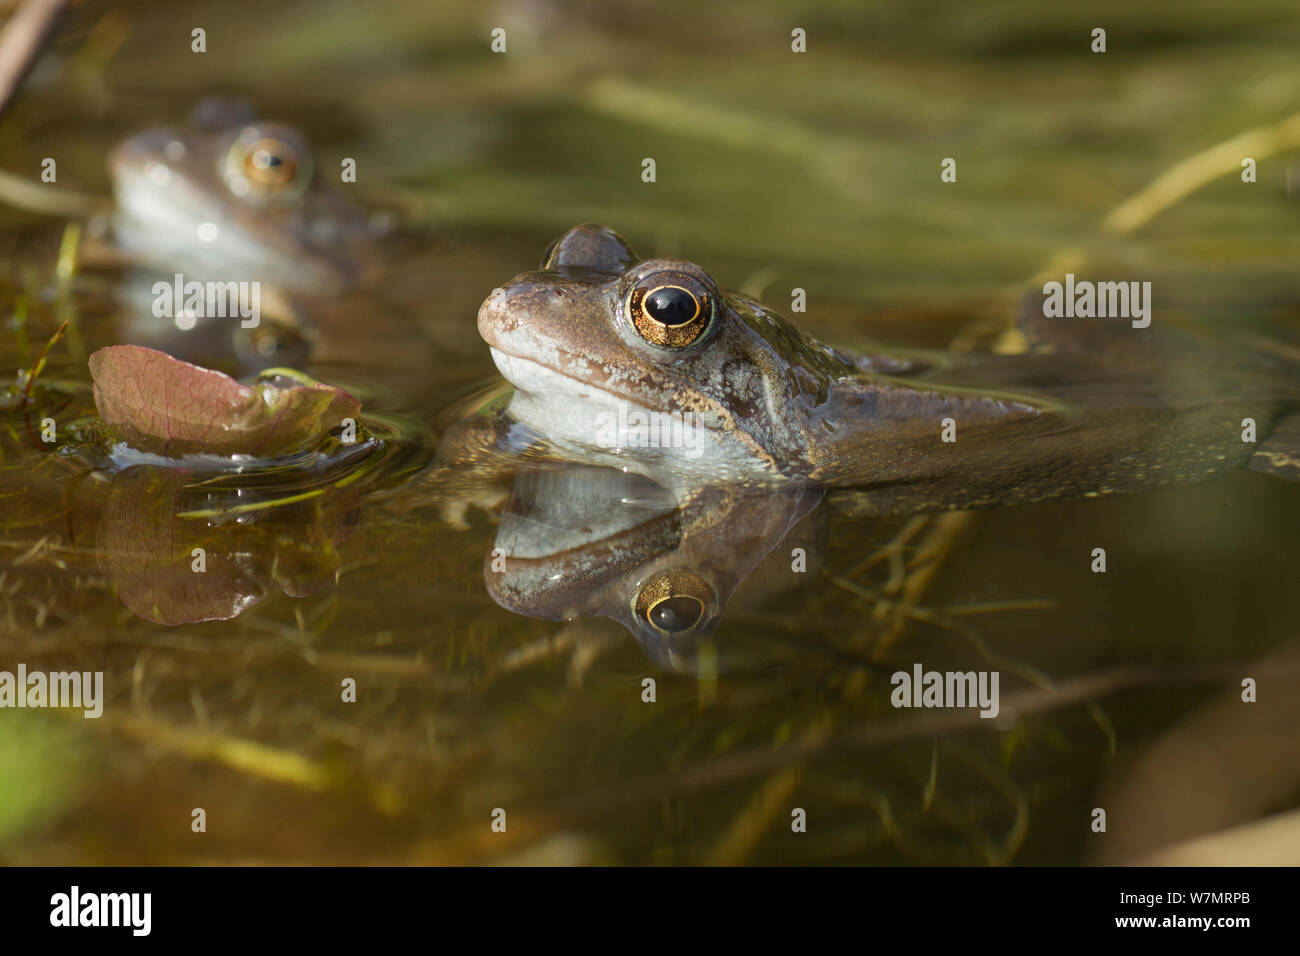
(670, 311)
(674, 602)
(267, 167)
(270, 162)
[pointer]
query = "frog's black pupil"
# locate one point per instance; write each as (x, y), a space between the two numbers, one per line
(676, 614)
(671, 306)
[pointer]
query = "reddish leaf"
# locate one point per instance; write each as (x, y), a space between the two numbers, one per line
(150, 395)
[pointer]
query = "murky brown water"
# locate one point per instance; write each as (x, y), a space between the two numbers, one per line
(774, 171)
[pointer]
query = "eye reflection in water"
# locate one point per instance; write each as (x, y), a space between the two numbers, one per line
(578, 541)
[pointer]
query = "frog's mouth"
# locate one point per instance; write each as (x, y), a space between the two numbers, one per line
(529, 375)
(187, 228)
(177, 222)
(576, 413)
(572, 411)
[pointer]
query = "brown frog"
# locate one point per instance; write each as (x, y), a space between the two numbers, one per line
(647, 365)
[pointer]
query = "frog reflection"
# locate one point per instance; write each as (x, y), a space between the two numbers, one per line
(580, 541)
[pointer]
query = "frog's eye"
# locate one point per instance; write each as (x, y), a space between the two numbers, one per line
(674, 602)
(671, 311)
(267, 167)
(271, 162)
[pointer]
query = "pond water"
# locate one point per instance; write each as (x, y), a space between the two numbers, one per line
(774, 171)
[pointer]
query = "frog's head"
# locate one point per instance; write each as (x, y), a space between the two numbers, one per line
(235, 197)
(647, 360)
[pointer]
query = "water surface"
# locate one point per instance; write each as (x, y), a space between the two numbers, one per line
(775, 171)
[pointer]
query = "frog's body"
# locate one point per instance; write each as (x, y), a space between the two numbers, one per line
(598, 336)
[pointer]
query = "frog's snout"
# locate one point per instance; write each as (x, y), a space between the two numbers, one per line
(527, 301)
(493, 313)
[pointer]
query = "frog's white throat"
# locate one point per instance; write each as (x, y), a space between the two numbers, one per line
(609, 429)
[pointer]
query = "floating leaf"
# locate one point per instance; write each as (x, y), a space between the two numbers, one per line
(154, 398)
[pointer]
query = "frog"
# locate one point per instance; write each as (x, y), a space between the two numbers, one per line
(599, 335)
(235, 196)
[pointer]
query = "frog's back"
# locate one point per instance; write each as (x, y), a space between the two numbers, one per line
(1090, 408)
